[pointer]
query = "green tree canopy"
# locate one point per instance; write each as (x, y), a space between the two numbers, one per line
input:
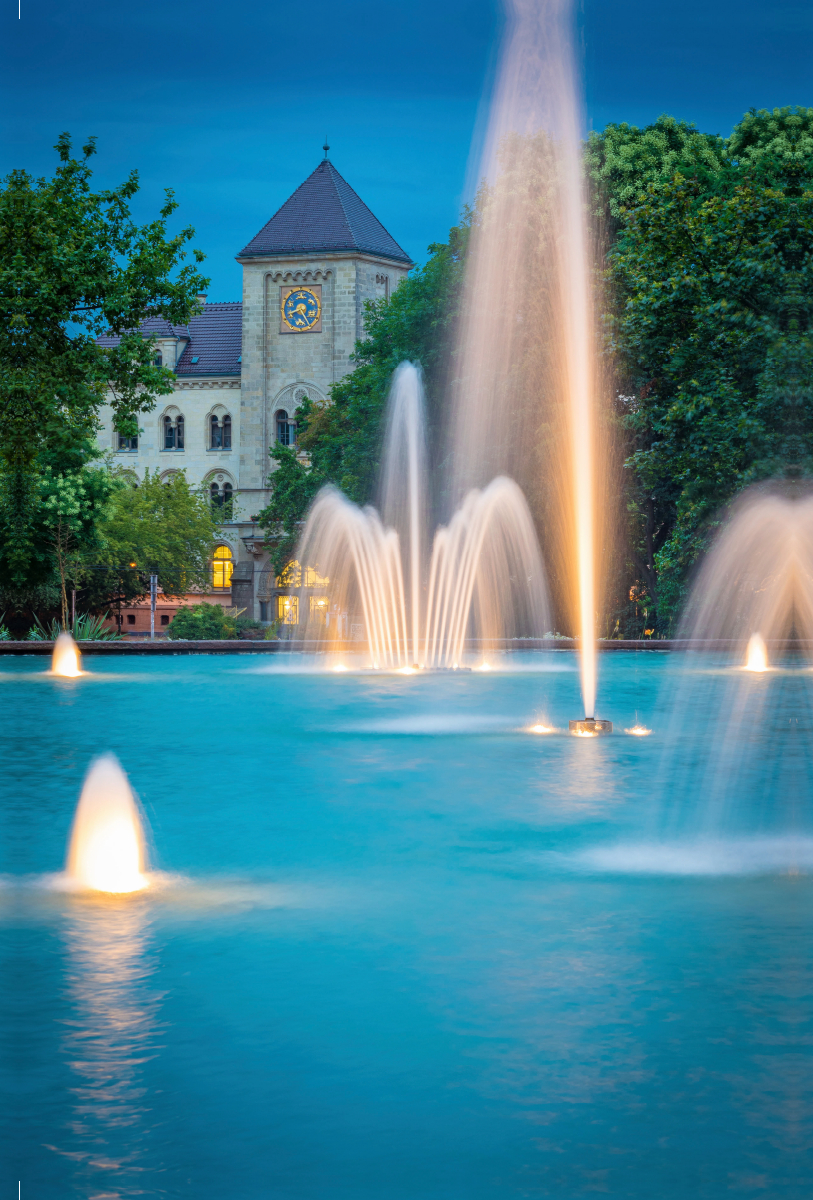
(712, 281)
(74, 266)
(623, 161)
(68, 496)
(166, 528)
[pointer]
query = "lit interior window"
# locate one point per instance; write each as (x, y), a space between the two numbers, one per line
(318, 609)
(291, 576)
(222, 567)
(288, 610)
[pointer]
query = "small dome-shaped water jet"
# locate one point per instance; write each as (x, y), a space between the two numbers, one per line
(107, 851)
(66, 660)
(756, 658)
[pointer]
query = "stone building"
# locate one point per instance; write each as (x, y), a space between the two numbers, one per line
(243, 369)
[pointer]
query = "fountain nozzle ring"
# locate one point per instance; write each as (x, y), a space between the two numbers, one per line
(590, 727)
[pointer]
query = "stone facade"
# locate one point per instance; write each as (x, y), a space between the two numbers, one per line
(260, 387)
(280, 369)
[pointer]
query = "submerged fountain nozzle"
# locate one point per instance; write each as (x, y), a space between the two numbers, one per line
(590, 727)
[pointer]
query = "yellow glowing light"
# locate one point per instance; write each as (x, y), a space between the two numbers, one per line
(407, 671)
(757, 656)
(340, 667)
(66, 660)
(638, 731)
(541, 729)
(106, 851)
(483, 667)
(584, 733)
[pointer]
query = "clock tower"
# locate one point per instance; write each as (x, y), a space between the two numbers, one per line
(306, 276)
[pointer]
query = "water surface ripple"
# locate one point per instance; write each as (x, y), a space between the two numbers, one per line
(403, 949)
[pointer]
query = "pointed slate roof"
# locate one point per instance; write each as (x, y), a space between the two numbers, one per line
(214, 339)
(322, 215)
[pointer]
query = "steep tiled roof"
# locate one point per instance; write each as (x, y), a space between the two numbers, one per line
(214, 339)
(152, 327)
(324, 214)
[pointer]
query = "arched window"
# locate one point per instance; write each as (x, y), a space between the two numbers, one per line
(173, 433)
(220, 432)
(222, 567)
(286, 429)
(158, 361)
(222, 500)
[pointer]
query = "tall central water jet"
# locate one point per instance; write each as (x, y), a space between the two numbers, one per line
(403, 479)
(483, 577)
(107, 851)
(580, 387)
(526, 394)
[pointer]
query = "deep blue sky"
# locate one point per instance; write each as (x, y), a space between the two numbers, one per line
(229, 103)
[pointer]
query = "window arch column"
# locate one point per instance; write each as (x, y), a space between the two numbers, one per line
(172, 430)
(219, 431)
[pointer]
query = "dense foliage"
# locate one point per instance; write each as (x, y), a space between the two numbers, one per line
(209, 622)
(107, 533)
(69, 495)
(707, 299)
(623, 162)
(83, 627)
(709, 322)
(74, 266)
(342, 438)
(165, 528)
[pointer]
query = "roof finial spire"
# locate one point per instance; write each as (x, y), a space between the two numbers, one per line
(326, 147)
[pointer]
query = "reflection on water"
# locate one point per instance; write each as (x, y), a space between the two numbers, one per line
(107, 851)
(381, 977)
(109, 1040)
(745, 769)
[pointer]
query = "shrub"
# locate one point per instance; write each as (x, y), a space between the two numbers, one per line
(202, 622)
(247, 625)
(85, 628)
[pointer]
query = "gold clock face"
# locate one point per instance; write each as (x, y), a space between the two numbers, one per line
(301, 310)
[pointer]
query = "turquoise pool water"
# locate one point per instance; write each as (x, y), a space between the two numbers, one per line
(405, 949)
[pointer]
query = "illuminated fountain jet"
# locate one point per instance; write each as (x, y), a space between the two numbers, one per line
(753, 601)
(758, 576)
(756, 658)
(482, 576)
(66, 659)
(107, 851)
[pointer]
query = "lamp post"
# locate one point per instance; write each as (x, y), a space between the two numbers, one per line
(153, 597)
